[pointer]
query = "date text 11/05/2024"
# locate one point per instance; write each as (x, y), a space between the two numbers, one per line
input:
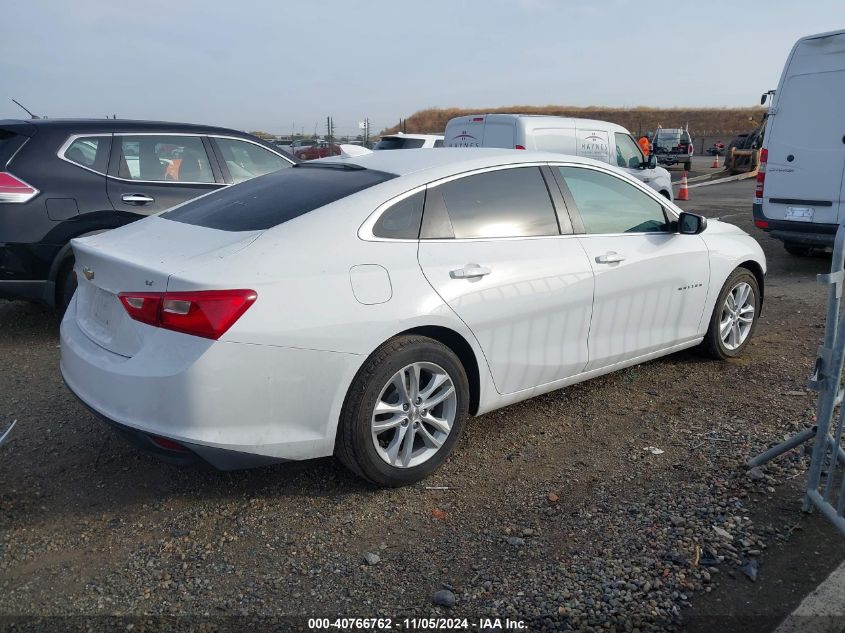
(416, 624)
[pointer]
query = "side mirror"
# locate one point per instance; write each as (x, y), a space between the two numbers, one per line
(651, 161)
(691, 224)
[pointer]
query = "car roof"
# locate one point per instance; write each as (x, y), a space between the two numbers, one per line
(451, 159)
(111, 125)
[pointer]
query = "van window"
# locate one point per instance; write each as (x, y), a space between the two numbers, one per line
(628, 153)
(501, 203)
(608, 204)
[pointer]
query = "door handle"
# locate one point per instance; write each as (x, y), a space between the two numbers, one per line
(137, 198)
(470, 271)
(611, 257)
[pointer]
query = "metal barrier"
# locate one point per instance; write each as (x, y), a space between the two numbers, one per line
(826, 480)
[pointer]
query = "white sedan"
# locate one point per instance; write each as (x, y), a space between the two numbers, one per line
(365, 306)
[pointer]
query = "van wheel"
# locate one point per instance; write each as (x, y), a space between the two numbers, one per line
(404, 412)
(799, 250)
(734, 316)
(65, 285)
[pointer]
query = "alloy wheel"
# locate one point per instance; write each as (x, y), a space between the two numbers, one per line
(737, 316)
(414, 414)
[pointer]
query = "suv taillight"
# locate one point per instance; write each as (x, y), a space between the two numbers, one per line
(13, 189)
(206, 313)
(761, 176)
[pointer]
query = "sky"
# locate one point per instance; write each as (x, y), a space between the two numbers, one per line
(283, 66)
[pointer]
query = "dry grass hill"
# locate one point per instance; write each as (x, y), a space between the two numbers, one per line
(702, 121)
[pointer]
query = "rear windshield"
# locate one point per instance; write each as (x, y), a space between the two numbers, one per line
(393, 142)
(267, 201)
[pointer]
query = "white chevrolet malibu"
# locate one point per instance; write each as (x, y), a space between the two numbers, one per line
(365, 306)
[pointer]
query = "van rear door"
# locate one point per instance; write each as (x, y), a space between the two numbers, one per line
(806, 135)
(479, 130)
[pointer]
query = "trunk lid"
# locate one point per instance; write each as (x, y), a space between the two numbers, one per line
(139, 257)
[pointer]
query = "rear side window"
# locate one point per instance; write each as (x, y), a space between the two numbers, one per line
(164, 158)
(265, 202)
(402, 220)
(247, 160)
(502, 203)
(89, 151)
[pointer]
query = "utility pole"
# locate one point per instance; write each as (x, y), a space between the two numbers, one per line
(330, 130)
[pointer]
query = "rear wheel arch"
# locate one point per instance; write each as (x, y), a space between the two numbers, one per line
(463, 350)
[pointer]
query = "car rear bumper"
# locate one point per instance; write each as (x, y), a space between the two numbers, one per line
(28, 289)
(805, 233)
(234, 405)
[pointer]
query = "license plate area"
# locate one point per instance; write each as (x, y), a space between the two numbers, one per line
(799, 214)
(103, 309)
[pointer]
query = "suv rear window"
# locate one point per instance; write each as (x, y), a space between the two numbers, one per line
(9, 142)
(267, 201)
(394, 142)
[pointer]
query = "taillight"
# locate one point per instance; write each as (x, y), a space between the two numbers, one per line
(13, 189)
(761, 176)
(205, 313)
(142, 306)
(761, 224)
(519, 147)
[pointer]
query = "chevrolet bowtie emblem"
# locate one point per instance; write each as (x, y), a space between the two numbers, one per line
(89, 274)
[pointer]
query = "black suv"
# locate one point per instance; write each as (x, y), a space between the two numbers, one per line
(61, 179)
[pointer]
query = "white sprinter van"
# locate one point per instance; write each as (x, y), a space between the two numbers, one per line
(799, 196)
(607, 142)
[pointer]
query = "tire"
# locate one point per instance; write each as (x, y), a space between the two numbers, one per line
(65, 285)
(798, 250)
(688, 165)
(713, 344)
(376, 382)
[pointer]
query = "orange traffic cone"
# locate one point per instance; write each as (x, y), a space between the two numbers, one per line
(715, 164)
(683, 191)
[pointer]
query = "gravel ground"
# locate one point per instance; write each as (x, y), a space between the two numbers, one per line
(551, 512)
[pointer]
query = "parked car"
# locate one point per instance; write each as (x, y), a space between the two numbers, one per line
(673, 146)
(302, 143)
(61, 179)
(365, 306)
(320, 149)
(799, 197)
(600, 140)
(401, 140)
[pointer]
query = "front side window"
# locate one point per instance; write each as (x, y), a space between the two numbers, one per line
(89, 151)
(402, 220)
(608, 204)
(502, 203)
(164, 158)
(248, 160)
(628, 153)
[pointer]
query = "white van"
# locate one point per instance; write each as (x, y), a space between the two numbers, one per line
(607, 142)
(799, 196)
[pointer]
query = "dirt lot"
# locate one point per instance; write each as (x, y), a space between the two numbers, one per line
(553, 512)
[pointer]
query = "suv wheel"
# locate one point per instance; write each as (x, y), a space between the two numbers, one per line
(65, 285)
(404, 412)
